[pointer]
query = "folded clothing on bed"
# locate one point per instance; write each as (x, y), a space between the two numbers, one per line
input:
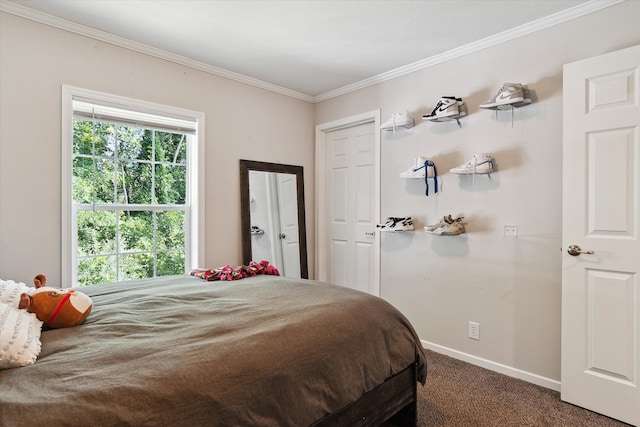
(235, 273)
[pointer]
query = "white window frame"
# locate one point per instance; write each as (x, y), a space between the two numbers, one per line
(194, 256)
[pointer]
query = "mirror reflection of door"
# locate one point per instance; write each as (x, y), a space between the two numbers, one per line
(274, 220)
(288, 213)
(273, 216)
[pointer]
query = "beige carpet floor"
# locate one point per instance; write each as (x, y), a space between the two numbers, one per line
(459, 394)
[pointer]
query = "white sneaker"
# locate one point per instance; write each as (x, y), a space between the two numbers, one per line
(478, 163)
(509, 94)
(446, 107)
(398, 121)
(396, 224)
(418, 169)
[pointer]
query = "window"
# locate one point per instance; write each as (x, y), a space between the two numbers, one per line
(131, 189)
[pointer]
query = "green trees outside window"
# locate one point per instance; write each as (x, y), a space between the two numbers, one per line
(129, 192)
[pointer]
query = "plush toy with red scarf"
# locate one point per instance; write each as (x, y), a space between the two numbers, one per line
(57, 308)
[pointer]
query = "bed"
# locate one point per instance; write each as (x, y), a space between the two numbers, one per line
(180, 351)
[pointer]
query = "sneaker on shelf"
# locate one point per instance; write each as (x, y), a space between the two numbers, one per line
(509, 94)
(478, 163)
(526, 95)
(461, 113)
(420, 166)
(446, 220)
(454, 228)
(446, 107)
(396, 224)
(398, 121)
(526, 101)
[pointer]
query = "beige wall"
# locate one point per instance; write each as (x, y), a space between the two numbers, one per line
(510, 286)
(241, 122)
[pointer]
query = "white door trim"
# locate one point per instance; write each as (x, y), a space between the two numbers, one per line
(322, 232)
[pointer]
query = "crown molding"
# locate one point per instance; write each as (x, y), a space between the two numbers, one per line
(533, 26)
(537, 25)
(63, 24)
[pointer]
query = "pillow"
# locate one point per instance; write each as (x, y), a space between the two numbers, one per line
(19, 337)
(10, 292)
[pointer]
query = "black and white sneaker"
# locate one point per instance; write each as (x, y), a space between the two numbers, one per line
(446, 107)
(449, 108)
(396, 224)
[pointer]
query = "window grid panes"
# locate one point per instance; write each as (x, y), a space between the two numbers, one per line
(129, 201)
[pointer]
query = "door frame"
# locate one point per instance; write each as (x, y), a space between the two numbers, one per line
(322, 231)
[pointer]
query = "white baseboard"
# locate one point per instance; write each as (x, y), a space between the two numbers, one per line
(494, 366)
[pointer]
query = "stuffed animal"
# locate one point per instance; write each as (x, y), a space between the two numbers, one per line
(57, 308)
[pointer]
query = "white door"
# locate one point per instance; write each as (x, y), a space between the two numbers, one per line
(288, 208)
(601, 213)
(349, 207)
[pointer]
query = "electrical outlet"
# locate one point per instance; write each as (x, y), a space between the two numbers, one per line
(474, 330)
(510, 231)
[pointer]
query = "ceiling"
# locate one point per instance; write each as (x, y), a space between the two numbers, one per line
(308, 49)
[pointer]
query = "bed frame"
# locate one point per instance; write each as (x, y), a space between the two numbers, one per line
(394, 401)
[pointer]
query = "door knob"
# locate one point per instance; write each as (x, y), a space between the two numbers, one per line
(282, 235)
(575, 250)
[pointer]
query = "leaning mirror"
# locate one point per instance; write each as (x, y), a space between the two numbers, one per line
(272, 216)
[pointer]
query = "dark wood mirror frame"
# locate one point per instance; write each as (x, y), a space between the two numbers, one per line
(245, 208)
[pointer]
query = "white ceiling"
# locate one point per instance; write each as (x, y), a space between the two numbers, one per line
(310, 48)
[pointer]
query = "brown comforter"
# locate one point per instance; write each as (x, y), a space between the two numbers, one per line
(179, 351)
